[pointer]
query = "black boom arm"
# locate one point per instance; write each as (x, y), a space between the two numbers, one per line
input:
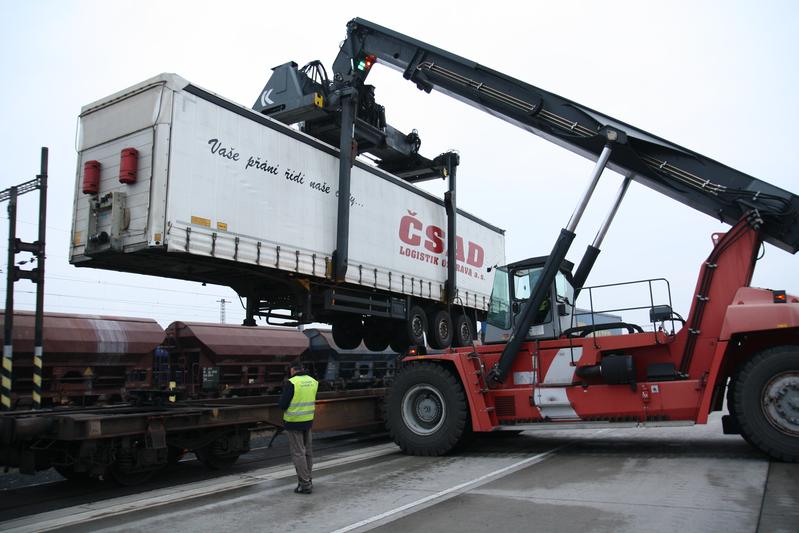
(690, 178)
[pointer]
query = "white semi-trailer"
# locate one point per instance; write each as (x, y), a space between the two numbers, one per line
(175, 181)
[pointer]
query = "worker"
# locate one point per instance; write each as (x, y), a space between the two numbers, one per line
(298, 402)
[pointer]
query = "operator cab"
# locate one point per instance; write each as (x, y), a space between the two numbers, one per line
(513, 286)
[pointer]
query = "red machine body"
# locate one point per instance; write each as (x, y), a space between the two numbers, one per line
(729, 324)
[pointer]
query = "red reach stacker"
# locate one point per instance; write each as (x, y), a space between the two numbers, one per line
(541, 366)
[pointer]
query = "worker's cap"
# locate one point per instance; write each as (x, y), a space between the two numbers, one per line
(297, 365)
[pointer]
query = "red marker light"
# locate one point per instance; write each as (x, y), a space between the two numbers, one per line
(780, 297)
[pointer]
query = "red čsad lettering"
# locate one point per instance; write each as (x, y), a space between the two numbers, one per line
(410, 232)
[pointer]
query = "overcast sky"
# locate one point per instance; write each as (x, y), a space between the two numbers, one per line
(720, 78)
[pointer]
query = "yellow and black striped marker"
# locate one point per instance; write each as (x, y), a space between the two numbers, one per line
(37, 377)
(5, 377)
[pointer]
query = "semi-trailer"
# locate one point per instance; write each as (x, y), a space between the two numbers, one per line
(176, 181)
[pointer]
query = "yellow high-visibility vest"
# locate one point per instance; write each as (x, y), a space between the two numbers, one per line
(303, 403)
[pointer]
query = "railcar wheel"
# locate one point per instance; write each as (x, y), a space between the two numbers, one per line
(463, 331)
(377, 333)
(68, 472)
(224, 451)
(426, 411)
(214, 460)
(440, 329)
(765, 401)
(348, 332)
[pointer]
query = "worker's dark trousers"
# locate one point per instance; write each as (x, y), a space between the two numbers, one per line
(301, 454)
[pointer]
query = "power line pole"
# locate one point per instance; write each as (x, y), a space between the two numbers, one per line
(15, 274)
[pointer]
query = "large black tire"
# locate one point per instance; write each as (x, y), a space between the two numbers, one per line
(348, 332)
(377, 333)
(731, 406)
(426, 411)
(439, 332)
(462, 331)
(765, 401)
(416, 326)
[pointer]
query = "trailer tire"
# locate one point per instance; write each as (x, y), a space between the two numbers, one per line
(426, 411)
(765, 401)
(377, 333)
(416, 325)
(348, 332)
(462, 331)
(439, 334)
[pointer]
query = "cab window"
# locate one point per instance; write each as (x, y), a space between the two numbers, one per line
(499, 306)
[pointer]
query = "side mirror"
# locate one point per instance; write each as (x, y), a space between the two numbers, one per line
(515, 307)
(562, 310)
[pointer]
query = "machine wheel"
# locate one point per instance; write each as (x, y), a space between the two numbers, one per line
(348, 332)
(765, 401)
(439, 334)
(731, 406)
(426, 411)
(377, 333)
(463, 331)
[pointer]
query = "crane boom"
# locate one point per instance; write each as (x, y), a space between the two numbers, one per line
(683, 175)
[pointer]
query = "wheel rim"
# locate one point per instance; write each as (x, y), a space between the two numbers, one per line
(443, 329)
(780, 402)
(465, 333)
(417, 327)
(423, 409)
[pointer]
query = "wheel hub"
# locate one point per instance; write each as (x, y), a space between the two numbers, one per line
(423, 409)
(781, 402)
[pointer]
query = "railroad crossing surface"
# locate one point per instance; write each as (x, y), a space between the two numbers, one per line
(674, 479)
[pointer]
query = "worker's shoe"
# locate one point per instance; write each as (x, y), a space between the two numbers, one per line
(303, 490)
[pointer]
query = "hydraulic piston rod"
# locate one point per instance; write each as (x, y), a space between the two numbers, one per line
(547, 277)
(592, 250)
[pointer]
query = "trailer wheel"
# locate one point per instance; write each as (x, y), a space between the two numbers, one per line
(348, 332)
(416, 325)
(463, 331)
(440, 329)
(426, 411)
(377, 333)
(766, 402)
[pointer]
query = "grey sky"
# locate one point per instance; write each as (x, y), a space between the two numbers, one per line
(720, 78)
